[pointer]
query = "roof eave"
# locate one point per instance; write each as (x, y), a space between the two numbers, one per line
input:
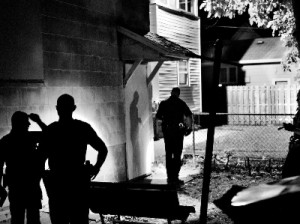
(260, 61)
(150, 51)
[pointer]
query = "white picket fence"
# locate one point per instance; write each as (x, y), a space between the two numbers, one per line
(274, 104)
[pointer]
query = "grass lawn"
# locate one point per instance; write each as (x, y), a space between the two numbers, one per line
(243, 141)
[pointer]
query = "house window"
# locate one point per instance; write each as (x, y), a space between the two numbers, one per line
(277, 83)
(183, 72)
(162, 2)
(185, 5)
(281, 81)
(228, 75)
(223, 75)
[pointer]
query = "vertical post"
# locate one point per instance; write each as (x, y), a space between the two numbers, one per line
(194, 146)
(210, 133)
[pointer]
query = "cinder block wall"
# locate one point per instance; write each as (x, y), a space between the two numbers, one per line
(80, 57)
(80, 54)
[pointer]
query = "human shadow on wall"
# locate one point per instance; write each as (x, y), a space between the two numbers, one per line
(135, 120)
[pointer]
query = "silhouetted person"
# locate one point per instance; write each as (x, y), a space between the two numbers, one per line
(18, 152)
(65, 145)
(173, 112)
(291, 166)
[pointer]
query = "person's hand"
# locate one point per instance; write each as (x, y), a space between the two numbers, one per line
(288, 126)
(94, 172)
(188, 131)
(34, 117)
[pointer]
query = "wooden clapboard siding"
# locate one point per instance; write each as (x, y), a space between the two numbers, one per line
(153, 20)
(186, 32)
(179, 29)
(265, 99)
(5, 214)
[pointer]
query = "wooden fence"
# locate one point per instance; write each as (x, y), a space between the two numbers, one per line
(261, 105)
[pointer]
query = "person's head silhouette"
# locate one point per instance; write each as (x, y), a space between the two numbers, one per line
(20, 122)
(175, 92)
(65, 107)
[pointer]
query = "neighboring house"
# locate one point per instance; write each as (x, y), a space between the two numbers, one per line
(248, 62)
(261, 63)
(99, 53)
(246, 56)
(177, 21)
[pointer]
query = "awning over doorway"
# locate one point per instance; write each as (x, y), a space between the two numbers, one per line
(151, 47)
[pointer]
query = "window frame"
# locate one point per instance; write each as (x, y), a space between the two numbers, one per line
(227, 81)
(287, 80)
(187, 73)
(186, 3)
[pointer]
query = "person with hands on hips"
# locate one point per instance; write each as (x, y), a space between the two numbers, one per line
(64, 145)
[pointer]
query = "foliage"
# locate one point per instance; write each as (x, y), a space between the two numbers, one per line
(277, 15)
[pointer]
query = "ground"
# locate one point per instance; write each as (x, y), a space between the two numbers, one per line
(222, 179)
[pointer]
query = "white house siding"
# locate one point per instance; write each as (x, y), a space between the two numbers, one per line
(267, 74)
(186, 32)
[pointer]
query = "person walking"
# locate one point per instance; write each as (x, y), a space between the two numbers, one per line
(176, 123)
(64, 144)
(18, 151)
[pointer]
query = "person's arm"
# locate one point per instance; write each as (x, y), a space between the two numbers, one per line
(3, 193)
(1, 172)
(159, 114)
(290, 127)
(188, 116)
(36, 118)
(97, 143)
(2, 161)
(43, 150)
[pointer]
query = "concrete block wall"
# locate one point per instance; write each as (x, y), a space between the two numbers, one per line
(95, 105)
(80, 57)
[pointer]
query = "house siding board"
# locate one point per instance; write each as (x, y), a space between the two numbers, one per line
(176, 26)
(153, 18)
(267, 74)
(182, 28)
(185, 32)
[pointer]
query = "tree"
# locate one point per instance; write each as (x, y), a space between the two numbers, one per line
(282, 16)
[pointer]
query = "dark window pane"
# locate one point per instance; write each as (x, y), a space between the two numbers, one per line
(182, 4)
(232, 75)
(183, 79)
(183, 74)
(281, 82)
(223, 75)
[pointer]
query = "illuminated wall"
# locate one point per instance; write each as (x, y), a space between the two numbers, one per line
(63, 46)
(139, 126)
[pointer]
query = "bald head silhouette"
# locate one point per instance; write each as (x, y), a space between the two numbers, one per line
(65, 107)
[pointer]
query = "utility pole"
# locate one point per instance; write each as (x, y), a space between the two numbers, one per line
(210, 133)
